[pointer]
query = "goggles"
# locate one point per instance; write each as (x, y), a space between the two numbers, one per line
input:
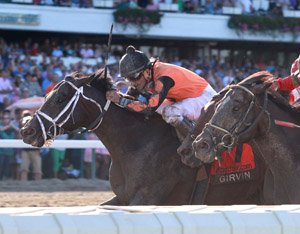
(135, 77)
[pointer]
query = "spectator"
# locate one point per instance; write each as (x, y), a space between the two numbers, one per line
(124, 4)
(32, 85)
(177, 61)
(46, 47)
(228, 78)
(6, 87)
(56, 52)
(247, 7)
(230, 3)
(143, 3)
(68, 51)
(102, 163)
(133, 4)
(85, 3)
(86, 51)
(55, 80)
(88, 158)
(209, 7)
(16, 160)
(35, 49)
(271, 66)
(188, 6)
(152, 6)
(58, 155)
(7, 131)
(30, 156)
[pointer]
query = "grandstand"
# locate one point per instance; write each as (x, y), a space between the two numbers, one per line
(179, 33)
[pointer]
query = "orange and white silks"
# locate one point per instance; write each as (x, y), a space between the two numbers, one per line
(187, 83)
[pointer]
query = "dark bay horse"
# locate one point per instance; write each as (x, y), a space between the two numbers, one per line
(247, 113)
(145, 169)
(187, 152)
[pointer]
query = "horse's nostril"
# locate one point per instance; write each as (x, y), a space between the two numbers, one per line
(186, 151)
(201, 146)
(29, 131)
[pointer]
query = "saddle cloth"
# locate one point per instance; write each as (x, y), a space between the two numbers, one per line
(237, 166)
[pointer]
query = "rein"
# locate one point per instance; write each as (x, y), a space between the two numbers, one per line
(234, 134)
(58, 125)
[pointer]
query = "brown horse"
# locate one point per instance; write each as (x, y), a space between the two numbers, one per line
(145, 169)
(247, 113)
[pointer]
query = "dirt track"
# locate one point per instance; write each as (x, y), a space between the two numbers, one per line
(54, 192)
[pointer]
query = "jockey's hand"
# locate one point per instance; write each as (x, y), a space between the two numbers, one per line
(274, 85)
(113, 96)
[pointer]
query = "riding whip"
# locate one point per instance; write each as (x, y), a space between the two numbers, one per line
(108, 50)
(94, 123)
(286, 124)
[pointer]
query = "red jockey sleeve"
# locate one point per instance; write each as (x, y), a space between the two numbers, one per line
(285, 84)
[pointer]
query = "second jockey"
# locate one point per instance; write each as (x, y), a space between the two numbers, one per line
(290, 83)
(176, 93)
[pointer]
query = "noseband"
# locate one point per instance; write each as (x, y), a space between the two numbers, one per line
(58, 125)
(234, 134)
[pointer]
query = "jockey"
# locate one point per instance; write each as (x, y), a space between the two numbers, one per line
(290, 83)
(174, 92)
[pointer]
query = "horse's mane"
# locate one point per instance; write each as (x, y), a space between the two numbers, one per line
(261, 77)
(97, 79)
(283, 103)
(101, 82)
(264, 77)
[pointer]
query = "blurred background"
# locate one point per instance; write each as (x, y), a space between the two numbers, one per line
(43, 40)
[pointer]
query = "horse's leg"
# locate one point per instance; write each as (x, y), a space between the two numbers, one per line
(113, 202)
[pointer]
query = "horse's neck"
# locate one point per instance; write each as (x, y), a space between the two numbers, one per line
(112, 130)
(121, 130)
(280, 140)
(279, 147)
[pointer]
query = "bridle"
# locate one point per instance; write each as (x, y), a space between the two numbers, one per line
(57, 125)
(235, 133)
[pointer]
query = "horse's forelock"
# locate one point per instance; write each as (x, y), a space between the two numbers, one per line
(220, 94)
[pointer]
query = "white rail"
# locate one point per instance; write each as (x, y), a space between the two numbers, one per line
(152, 220)
(71, 144)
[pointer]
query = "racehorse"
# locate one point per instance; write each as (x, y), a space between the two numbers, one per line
(247, 113)
(145, 169)
(187, 152)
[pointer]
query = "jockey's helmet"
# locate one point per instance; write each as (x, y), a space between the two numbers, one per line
(133, 62)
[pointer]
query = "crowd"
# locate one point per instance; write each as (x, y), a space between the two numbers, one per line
(29, 69)
(275, 7)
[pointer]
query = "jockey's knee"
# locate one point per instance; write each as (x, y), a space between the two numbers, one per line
(172, 115)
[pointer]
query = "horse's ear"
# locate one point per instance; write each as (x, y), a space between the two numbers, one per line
(73, 76)
(89, 79)
(261, 88)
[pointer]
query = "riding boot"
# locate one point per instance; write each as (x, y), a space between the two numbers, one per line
(182, 128)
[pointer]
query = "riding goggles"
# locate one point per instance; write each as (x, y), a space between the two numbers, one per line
(135, 77)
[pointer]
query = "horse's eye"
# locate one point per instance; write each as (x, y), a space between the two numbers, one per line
(236, 108)
(193, 137)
